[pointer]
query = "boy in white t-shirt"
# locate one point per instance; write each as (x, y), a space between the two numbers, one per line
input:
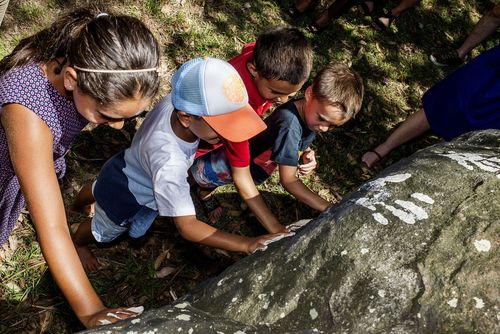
(208, 101)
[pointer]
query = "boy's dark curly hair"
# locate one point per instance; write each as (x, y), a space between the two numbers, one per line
(283, 53)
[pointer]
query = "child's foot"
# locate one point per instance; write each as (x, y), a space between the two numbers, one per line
(211, 207)
(87, 210)
(383, 22)
(89, 261)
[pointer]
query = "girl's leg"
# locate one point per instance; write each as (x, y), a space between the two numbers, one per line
(412, 127)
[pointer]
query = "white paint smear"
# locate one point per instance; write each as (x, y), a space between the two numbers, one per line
(380, 218)
(136, 309)
(182, 305)
(313, 313)
(393, 179)
(479, 303)
(469, 160)
(482, 245)
(423, 198)
(112, 315)
(404, 216)
(417, 211)
(185, 317)
(453, 302)
(366, 202)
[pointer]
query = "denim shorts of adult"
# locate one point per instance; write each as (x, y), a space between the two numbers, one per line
(105, 230)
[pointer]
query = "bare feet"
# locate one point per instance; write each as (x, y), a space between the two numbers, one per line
(89, 261)
(211, 206)
(215, 215)
(87, 210)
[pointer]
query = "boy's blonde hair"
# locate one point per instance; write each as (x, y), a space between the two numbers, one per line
(340, 86)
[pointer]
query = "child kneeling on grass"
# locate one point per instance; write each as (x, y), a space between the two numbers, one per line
(208, 101)
(334, 97)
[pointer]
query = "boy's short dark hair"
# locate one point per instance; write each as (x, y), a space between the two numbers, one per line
(283, 53)
(339, 85)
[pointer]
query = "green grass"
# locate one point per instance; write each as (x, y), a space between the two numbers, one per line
(396, 73)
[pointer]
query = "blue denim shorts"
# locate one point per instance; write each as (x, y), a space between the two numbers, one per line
(106, 230)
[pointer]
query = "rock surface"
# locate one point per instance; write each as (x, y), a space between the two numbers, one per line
(415, 250)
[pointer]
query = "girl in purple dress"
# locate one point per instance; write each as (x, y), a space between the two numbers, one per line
(86, 67)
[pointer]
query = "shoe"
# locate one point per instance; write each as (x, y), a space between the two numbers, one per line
(446, 58)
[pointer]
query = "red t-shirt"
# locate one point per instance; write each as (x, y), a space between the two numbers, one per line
(238, 154)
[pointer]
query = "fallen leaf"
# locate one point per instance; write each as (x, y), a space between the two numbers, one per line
(164, 272)
(160, 259)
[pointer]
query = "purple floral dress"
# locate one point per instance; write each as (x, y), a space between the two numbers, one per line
(27, 85)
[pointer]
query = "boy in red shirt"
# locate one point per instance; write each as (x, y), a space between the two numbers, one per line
(273, 68)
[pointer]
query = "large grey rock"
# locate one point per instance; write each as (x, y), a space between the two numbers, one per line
(415, 250)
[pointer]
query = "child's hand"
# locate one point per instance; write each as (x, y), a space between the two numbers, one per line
(108, 316)
(308, 163)
(297, 225)
(260, 243)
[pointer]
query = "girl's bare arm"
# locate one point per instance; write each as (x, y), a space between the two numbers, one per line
(30, 147)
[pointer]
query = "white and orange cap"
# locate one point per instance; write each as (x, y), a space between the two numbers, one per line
(211, 88)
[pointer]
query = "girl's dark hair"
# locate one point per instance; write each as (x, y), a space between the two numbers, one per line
(283, 53)
(93, 41)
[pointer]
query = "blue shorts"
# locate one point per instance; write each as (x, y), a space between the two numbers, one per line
(212, 170)
(105, 230)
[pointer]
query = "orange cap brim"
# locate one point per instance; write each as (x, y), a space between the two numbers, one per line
(237, 126)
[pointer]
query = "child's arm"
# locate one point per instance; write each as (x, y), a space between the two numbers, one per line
(292, 184)
(197, 231)
(250, 194)
(30, 147)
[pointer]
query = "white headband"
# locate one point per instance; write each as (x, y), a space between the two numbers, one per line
(156, 69)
